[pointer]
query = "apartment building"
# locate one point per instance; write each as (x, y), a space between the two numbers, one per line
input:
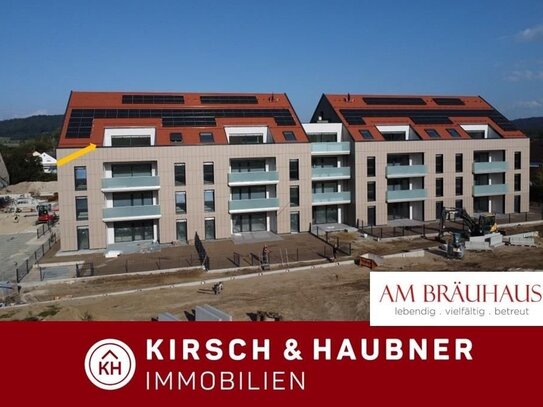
(170, 165)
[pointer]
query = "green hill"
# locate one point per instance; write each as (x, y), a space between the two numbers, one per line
(31, 127)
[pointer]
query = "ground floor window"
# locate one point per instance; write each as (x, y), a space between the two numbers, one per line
(210, 229)
(517, 204)
(398, 210)
(249, 222)
(480, 204)
(325, 214)
(181, 227)
(294, 222)
(439, 209)
(372, 217)
(83, 238)
(133, 231)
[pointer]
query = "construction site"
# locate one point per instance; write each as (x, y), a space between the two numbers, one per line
(316, 275)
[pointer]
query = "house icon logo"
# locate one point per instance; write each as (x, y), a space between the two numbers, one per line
(110, 364)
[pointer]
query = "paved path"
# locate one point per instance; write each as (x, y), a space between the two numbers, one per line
(16, 248)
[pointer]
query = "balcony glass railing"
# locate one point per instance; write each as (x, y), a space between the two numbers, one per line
(487, 190)
(404, 171)
(131, 212)
(331, 197)
(330, 172)
(343, 147)
(253, 177)
(131, 183)
(489, 167)
(406, 195)
(253, 205)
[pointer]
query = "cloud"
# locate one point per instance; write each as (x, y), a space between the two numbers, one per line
(524, 75)
(529, 104)
(531, 34)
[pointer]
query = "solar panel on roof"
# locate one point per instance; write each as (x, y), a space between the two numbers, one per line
(153, 99)
(226, 99)
(81, 120)
(449, 101)
(393, 101)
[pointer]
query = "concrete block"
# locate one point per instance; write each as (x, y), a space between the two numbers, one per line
(477, 245)
(208, 313)
(412, 253)
(377, 259)
(166, 316)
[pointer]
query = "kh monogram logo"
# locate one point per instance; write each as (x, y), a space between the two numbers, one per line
(110, 364)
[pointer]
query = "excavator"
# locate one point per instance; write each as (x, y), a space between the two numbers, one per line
(480, 226)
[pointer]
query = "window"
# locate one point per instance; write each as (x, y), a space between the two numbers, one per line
(366, 134)
(181, 229)
(289, 136)
(322, 137)
(209, 200)
(132, 170)
(439, 163)
(394, 136)
(371, 191)
(459, 186)
(371, 216)
(81, 208)
(130, 141)
(210, 228)
(246, 139)
(324, 187)
(133, 231)
(255, 192)
(141, 198)
(80, 176)
(371, 166)
(209, 173)
(458, 204)
(432, 133)
(517, 204)
(439, 209)
(439, 186)
(206, 137)
(454, 133)
(176, 138)
(459, 163)
(179, 174)
(83, 238)
(294, 222)
(518, 160)
(295, 195)
(517, 182)
(294, 172)
(180, 202)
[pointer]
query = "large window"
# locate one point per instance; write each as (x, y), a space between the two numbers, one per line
(132, 198)
(80, 176)
(294, 222)
(131, 170)
(518, 160)
(248, 165)
(459, 186)
(459, 204)
(256, 192)
(209, 173)
(210, 228)
(439, 186)
(295, 195)
(439, 163)
(81, 208)
(179, 171)
(324, 187)
(322, 137)
(371, 166)
(246, 139)
(371, 191)
(82, 238)
(180, 202)
(133, 231)
(459, 163)
(130, 141)
(294, 172)
(249, 222)
(517, 182)
(209, 200)
(181, 229)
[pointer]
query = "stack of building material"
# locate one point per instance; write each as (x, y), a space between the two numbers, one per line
(523, 239)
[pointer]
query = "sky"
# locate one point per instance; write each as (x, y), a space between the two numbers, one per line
(303, 48)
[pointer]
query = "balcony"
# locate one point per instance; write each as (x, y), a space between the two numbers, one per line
(341, 148)
(489, 190)
(406, 171)
(322, 173)
(253, 205)
(253, 178)
(406, 195)
(331, 198)
(120, 184)
(490, 167)
(131, 213)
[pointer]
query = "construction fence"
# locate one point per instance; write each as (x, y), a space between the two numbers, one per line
(332, 240)
(24, 268)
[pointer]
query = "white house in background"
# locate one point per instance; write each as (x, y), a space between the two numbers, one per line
(48, 161)
(4, 175)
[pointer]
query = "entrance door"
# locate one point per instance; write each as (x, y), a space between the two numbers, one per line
(182, 231)
(294, 222)
(83, 238)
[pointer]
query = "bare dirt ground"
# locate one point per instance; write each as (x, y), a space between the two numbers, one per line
(332, 293)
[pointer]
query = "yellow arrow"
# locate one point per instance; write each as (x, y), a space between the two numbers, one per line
(76, 154)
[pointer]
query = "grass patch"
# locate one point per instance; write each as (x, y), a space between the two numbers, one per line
(7, 315)
(49, 311)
